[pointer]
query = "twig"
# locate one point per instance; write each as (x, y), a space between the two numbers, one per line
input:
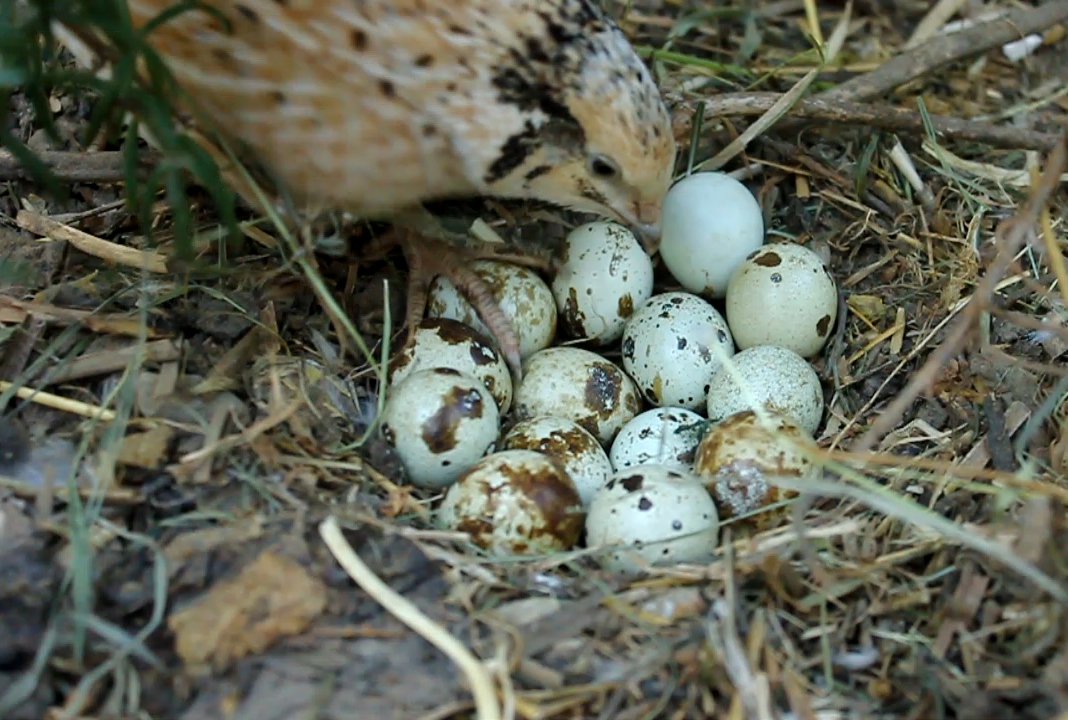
(486, 705)
(105, 166)
(91, 245)
(944, 49)
(835, 110)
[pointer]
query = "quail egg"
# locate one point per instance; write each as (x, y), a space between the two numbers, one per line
(661, 516)
(740, 458)
(663, 436)
(569, 444)
(578, 385)
(441, 342)
(523, 297)
(515, 502)
(669, 349)
(709, 223)
(604, 276)
(440, 422)
(782, 295)
(773, 377)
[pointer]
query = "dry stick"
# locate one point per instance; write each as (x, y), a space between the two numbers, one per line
(106, 166)
(891, 118)
(1011, 236)
(486, 705)
(945, 49)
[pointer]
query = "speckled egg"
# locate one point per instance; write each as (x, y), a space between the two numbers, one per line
(440, 422)
(441, 342)
(662, 436)
(569, 444)
(659, 515)
(515, 502)
(604, 276)
(771, 377)
(709, 223)
(523, 297)
(782, 295)
(669, 349)
(739, 460)
(578, 385)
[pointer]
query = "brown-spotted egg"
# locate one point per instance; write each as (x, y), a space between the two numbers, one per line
(442, 342)
(662, 436)
(440, 422)
(578, 385)
(670, 349)
(740, 459)
(515, 502)
(656, 515)
(523, 297)
(604, 276)
(782, 295)
(569, 444)
(772, 377)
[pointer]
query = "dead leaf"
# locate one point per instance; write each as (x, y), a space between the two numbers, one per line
(146, 449)
(272, 598)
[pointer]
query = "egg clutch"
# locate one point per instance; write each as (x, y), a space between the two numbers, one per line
(671, 418)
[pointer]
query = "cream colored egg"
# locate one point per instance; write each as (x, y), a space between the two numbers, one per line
(441, 342)
(772, 377)
(515, 502)
(523, 297)
(578, 385)
(658, 515)
(782, 295)
(709, 223)
(569, 444)
(440, 422)
(662, 436)
(740, 459)
(605, 275)
(669, 349)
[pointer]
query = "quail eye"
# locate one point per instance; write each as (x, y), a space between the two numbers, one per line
(601, 166)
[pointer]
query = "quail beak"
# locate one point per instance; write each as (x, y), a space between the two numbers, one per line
(649, 236)
(645, 220)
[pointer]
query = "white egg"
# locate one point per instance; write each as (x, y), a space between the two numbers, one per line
(441, 342)
(440, 422)
(740, 459)
(523, 297)
(605, 275)
(662, 436)
(515, 502)
(669, 349)
(661, 515)
(578, 385)
(569, 444)
(772, 377)
(782, 295)
(709, 223)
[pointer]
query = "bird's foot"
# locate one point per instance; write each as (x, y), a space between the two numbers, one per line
(429, 257)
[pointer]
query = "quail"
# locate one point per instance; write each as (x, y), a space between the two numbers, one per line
(376, 106)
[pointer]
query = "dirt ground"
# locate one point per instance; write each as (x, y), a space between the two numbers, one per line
(180, 571)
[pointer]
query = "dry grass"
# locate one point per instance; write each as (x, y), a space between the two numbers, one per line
(217, 421)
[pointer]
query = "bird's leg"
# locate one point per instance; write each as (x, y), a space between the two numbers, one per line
(429, 257)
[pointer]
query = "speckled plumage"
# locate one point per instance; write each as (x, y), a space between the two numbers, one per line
(374, 106)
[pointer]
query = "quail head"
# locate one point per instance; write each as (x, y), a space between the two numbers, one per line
(376, 106)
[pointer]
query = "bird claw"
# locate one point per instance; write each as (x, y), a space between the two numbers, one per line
(428, 258)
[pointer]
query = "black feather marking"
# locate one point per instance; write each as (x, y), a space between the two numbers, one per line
(514, 152)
